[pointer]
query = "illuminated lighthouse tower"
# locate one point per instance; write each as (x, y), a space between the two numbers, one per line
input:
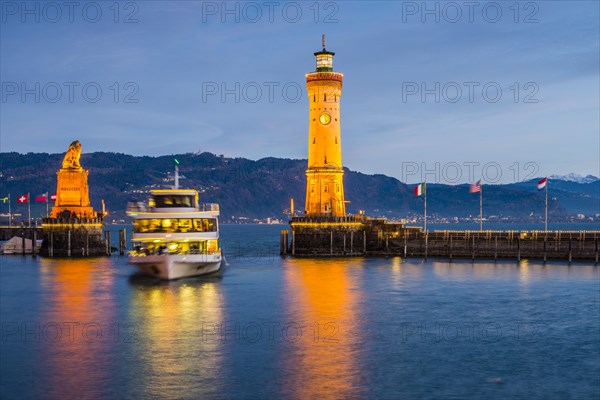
(324, 176)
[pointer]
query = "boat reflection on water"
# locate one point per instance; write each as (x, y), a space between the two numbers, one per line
(174, 359)
(323, 297)
(77, 330)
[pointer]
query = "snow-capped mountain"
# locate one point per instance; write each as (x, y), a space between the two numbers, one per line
(572, 177)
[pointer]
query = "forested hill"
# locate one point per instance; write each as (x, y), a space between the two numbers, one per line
(263, 188)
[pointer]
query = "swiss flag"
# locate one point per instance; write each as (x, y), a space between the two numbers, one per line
(53, 197)
(24, 198)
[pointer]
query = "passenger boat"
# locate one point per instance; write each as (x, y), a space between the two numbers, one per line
(174, 236)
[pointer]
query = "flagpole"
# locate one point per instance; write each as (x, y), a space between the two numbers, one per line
(546, 224)
(425, 207)
(29, 210)
(9, 212)
(481, 207)
(46, 204)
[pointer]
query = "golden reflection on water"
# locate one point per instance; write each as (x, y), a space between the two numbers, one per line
(323, 296)
(77, 334)
(180, 351)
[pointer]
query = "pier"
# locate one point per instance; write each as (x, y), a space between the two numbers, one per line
(75, 237)
(363, 236)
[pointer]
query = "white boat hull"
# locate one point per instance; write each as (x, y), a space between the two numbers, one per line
(177, 266)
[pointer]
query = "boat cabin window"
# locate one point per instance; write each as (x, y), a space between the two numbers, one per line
(172, 201)
(197, 247)
(174, 225)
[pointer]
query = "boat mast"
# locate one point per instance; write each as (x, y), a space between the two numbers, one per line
(176, 174)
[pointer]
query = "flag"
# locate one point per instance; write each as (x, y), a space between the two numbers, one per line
(542, 183)
(53, 197)
(475, 187)
(42, 198)
(419, 189)
(24, 198)
(4, 199)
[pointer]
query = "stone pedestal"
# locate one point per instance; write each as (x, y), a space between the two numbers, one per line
(72, 194)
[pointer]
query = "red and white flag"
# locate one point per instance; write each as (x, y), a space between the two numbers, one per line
(53, 197)
(475, 187)
(419, 189)
(24, 198)
(42, 198)
(542, 183)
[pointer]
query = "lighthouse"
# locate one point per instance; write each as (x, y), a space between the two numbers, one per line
(326, 230)
(324, 175)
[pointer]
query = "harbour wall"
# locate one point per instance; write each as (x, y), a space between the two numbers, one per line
(363, 236)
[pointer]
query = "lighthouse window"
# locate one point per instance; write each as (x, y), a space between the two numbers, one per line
(336, 140)
(314, 98)
(337, 188)
(314, 139)
(312, 188)
(335, 98)
(326, 189)
(325, 97)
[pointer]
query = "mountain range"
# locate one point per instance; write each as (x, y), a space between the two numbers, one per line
(263, 188)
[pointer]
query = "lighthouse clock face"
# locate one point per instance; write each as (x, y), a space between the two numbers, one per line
(325, 118)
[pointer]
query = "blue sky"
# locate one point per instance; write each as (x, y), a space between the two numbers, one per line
(544, 56)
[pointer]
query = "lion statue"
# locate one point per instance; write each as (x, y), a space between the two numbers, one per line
(71, 159)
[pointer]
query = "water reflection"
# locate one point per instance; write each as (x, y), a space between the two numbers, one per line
(322, 296)
(526, 270)
(77, 326)
(177, 350)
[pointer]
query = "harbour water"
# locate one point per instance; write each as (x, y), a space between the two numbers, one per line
(269, 327)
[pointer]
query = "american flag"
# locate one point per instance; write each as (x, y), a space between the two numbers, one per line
(475, 187)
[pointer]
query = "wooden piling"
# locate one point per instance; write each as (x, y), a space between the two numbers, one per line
(283, 242)
(495, 247)
(122, 241)
(293, 242)
(51, 244)
(387, 245)
(331, 243)
(33, 242)
(107, 242)
(69, 243)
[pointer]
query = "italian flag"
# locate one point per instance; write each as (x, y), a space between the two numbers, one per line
(542, 183)
(420, 189)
